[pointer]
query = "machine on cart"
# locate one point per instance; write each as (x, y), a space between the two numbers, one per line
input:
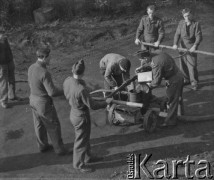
(135, 106)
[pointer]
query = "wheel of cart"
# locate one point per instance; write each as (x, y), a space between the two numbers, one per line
(150, 121)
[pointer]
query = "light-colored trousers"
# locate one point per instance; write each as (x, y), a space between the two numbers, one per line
(7, 82)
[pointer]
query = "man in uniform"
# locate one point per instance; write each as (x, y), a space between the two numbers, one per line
(115, 69)
(190, 35)
(7, 68)
(76, 93)
(163, 66)
(45, 117)
(151, 28)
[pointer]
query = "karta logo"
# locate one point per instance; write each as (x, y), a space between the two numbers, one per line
(201, 169)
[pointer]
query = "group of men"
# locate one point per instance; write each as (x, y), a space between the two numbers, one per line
(189, 33)
(115, 69)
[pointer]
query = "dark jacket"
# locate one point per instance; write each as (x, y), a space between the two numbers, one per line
(189, 35)
(152, 31)
(163, 66)
(6, 55)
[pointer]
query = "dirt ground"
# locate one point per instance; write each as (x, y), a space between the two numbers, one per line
(19, 156)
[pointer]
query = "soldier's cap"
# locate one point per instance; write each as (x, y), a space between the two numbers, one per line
(125, 64)
(43, 52)
(79, 67)
(186, 10)
(141, 54)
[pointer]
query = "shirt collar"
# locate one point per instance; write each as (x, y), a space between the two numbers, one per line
(41, 64)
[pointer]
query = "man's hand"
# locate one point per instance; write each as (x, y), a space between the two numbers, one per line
(157, 43)
(116, 87)
(148, 84)
(137, 41)
(175, 46)
(109, 100)
(192, 49)
(137, 70)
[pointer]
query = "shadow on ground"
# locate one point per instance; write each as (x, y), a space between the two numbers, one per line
(204, 130)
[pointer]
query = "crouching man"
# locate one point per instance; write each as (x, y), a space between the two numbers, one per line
(163, 66)
(45, 117)
(115, 69)
(76, 93)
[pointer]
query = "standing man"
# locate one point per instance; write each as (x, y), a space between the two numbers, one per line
(45, 117)
(163, 66)
(76, 93)
(151, 28)
(115, 69)
(190, 36)
(7, 75)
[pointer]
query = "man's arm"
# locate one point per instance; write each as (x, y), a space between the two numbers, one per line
(157, 76)
(140, 29)
(198, 35)
(161, 32)
(108, 76)
(89, 102)
(49, 86)
(177, 34)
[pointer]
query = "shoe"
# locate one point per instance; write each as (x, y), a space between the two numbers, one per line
(194, 88)
(165, 125)
(93, 159)
(4, 105)
(16, 99)
(85, 169)
(46, 149)
(186, 82)
(64, 152)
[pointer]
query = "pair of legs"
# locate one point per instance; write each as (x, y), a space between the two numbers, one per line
(46, 123)
(82, 149)
(188, 66)
(174, 95)
(7, 82)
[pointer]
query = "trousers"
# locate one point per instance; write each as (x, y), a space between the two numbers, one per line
(82, 148)
(7, 82)
(46, 123)
(174, 92)
(188, 66)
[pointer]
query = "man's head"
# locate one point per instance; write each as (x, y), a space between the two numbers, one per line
(187, 15)
(125, 65)
(43, 55)
(78, 68)
(151, 11)
(144, 56)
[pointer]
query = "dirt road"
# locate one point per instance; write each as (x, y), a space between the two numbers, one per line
(19, 156)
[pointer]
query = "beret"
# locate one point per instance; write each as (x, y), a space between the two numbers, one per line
(79, 67)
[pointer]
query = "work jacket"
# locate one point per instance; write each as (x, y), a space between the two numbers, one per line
(189, 35)
(152, 30)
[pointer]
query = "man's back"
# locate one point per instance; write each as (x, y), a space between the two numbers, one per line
(36, 73)
(110, 59)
